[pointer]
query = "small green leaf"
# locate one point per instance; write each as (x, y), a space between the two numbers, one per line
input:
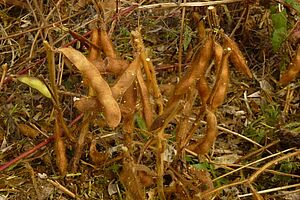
(187, 37)
(203, 166)
(278, 37)
(140, 122)
(279, 21)
(294, 4)
(36, 84)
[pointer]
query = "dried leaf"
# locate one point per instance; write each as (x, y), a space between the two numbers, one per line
(112, 187)
(81, 3)
(292, 71)
(204, 178)
(167, 89)
(145, 175)
(96, 156)
(35, 83)
(102, 90)
(131, 182)
(28, 131)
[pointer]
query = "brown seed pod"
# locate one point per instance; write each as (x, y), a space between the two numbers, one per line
(219, 91)
(292, 71)
(94, 53)
(149, 69)
(161, 119)
(80, 143)
(60, 150)
(201, 30)
(111, 65)
(147, 107)
(61, 159)
(200, 26)
(99, 64)
(102, 90)
(126, 79)
(203, 89)
(218, 53)
(107, 45)
(129, 108)
(236, 57)
(203, 145)
(184, 125)
(198, 68)
(87, 104)
(115, 65)
(202, 84)
(185, 84)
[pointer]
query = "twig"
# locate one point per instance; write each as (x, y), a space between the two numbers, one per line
(249, 164)
(253, 153)
(62, 188)
(27, 153)
(34, 182)
(24, 71)
(18, 3)
(36, 148)
(271, 190)
(181, 41)
(233, 133)
(269, 164)
(285, 193)
(256, 168)
(238, 23)
(4, 71)
(38, 28)
(188, 4)
(209, 193)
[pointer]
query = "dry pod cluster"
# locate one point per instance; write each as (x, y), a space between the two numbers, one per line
(210, 52)
(118, 101)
